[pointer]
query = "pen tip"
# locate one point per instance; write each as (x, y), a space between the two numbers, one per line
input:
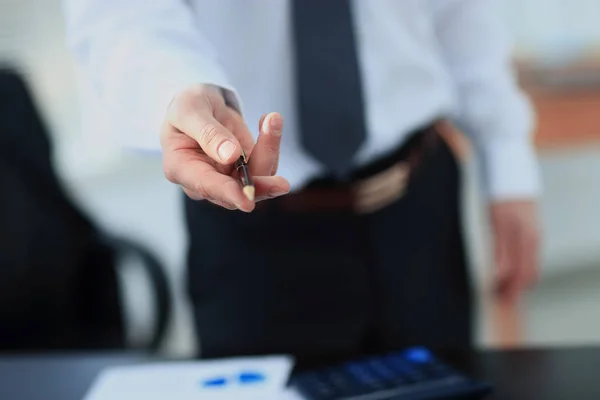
(249, 191)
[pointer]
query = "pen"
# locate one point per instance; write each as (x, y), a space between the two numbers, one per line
(241, 165)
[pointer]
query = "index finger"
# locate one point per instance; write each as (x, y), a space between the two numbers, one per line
(235, 123)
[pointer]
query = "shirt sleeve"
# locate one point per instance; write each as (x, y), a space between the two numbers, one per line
(492, 110)
(137, 55)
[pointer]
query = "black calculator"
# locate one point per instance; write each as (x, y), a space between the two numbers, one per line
(412, 374)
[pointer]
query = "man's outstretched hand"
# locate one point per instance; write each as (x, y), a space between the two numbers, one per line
(202, 137)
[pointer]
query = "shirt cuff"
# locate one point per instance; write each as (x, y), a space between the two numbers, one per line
(510, 170)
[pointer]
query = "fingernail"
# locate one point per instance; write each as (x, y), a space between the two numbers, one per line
(226, 150)
(275, 124)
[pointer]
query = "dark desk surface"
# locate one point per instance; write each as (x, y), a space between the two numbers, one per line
(522, 374)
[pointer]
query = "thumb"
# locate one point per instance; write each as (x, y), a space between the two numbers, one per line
(218, 142)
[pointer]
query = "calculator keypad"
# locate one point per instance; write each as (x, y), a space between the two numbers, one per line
(412, 374)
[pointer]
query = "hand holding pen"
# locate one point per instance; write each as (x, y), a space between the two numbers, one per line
(205, 143)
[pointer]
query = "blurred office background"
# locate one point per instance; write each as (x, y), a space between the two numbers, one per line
(558, 54)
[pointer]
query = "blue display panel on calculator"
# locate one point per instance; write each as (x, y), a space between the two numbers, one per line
(408, 375)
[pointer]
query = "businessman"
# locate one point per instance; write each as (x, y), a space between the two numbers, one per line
(365, 252)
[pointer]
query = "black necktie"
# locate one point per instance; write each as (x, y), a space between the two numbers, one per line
(330, 100)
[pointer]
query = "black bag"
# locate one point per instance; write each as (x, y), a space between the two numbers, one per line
(58, 277)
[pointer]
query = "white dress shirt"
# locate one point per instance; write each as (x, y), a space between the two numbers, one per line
(420, 60)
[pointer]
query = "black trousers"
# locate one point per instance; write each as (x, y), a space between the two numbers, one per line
(323, 286)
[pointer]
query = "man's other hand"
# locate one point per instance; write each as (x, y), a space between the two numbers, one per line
(202, 137)
(516, 246)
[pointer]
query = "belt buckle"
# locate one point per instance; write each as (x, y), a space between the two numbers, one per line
(380, 190)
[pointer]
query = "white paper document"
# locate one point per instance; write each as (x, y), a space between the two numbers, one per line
(261, 378)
